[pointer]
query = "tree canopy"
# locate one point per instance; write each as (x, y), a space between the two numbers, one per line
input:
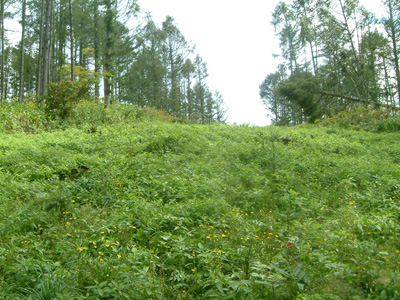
(143, 64)
(334, 55)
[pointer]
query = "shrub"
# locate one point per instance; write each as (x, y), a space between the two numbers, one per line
(364, 118)
(63, 96)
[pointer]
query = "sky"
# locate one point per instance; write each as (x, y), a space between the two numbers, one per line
(236, 40)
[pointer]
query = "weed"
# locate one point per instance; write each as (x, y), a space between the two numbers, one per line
(117, 204)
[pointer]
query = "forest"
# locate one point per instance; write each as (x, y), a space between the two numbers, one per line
(335, 55)
(106, 50)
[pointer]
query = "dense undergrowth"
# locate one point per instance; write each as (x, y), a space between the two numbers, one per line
(368, 119)
(118, 204)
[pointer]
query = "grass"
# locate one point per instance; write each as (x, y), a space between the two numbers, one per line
(178, 211)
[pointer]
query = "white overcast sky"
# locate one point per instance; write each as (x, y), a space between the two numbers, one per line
(235, 39)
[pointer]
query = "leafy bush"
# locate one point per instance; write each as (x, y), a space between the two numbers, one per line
(62, 96)
(25, 117)
(362, 118)
(33, 117)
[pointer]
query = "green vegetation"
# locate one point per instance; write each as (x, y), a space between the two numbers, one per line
(334, 55)
(119, 204)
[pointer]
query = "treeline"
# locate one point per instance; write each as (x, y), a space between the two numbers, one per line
(334, 54)
(141, 64)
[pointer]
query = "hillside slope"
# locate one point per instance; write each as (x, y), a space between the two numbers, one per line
(148, 209)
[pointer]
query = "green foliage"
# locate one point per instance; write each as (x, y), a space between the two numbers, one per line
(63, 96)
(334, 57)
(362, 118)
(176, 211)
(25, 117)
(32, 117)
(301, 88)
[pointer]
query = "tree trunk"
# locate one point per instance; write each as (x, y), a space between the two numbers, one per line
(359, 100)
(96, 49)
(61, 37)
(46, 52)
(39, 83)
(107, 62)
(392, 34)
(21, 80)
(310, 42)
(52, 65)
(2, 50)
(71, 31)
